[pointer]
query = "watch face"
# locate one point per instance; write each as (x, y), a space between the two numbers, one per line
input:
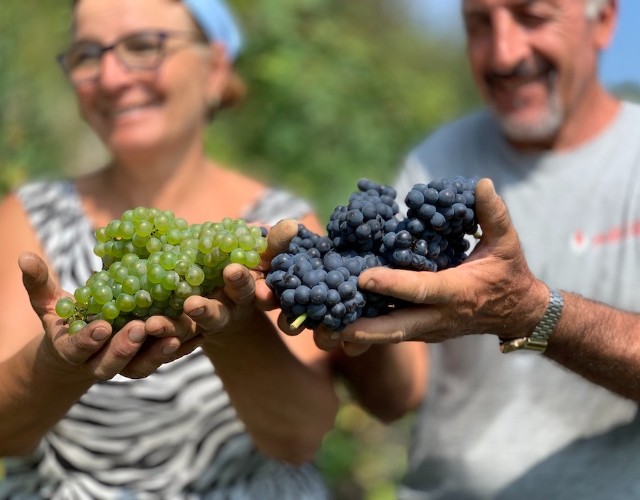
(523, 344)
(507, 346)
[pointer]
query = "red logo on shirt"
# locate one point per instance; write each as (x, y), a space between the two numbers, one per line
(580, 241)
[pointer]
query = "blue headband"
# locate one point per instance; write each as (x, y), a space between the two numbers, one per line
(217, 21)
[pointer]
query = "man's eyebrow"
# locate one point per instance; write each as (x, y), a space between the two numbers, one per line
(518, 4)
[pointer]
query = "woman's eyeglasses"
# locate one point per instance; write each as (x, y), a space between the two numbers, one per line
(137, 51)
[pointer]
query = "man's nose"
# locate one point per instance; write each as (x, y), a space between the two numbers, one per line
(510, 43)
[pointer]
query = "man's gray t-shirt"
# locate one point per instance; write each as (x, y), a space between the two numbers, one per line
(519, 426)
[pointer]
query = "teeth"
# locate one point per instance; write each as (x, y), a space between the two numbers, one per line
(124, 111)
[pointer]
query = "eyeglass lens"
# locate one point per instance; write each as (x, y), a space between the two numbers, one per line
(142, 51)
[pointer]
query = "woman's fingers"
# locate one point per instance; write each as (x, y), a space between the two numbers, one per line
(278, 239)
(42, 289)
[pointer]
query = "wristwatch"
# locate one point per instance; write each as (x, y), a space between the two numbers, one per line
(538, 340)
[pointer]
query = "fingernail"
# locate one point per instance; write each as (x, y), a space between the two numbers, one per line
(99, 334)
(197, 312)
(169, 350)
(137, 334)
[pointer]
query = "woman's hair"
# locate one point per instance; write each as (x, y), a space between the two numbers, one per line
(214, 21)
(217, 23)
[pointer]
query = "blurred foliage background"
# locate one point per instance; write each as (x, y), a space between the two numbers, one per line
(337, 91)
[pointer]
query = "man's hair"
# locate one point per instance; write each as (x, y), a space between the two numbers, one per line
(593, 8)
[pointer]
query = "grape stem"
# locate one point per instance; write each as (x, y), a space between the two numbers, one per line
(298, 321)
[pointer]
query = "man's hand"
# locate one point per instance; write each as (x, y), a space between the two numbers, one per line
(493, 291)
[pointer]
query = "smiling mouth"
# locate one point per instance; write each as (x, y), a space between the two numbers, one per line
(130, 110)
(513, 87)
(127, 111)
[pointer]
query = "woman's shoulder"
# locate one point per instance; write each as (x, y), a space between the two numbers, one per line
(263, 202)
(52, 207)
(40, 193)
(22, 201)
(276, 204)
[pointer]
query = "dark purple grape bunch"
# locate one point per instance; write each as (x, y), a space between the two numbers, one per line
(432, 237)
(407, 244)
(306, 241)
(445, 206)
(360, 224)
(314, 291)
(316, 281)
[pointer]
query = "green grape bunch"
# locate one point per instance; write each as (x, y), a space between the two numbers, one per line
(152, 261)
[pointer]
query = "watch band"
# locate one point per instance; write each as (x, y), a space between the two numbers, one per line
(539, 339)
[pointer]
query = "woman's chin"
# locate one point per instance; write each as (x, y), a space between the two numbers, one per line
(132, 145)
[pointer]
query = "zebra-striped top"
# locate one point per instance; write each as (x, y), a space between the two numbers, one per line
(172, 435)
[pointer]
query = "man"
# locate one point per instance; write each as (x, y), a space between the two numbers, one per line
(565, 156)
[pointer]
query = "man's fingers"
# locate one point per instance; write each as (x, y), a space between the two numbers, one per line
(391, 336)
(418, 287)
(326, 339)
(411, 323)
(351, 349)
(491, 211)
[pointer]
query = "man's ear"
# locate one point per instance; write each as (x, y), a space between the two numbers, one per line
(605, 24)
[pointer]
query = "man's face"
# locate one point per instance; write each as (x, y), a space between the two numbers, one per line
(532, 61)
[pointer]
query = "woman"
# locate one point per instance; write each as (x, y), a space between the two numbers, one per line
(143, 413)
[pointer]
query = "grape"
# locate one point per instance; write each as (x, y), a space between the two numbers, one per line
(316, 279)
(432, 237)
(311, 295)
(76, 325)
(152, 261)
(65, 308)
(358, 225)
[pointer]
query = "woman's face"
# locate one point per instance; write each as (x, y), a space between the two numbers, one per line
(133, 110)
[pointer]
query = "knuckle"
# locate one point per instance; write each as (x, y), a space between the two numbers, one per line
(83, 348)
(137, 372)
(423, 291)
(102, 374)
(121, 351)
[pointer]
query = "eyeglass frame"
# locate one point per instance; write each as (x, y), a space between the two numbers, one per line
(163, 36)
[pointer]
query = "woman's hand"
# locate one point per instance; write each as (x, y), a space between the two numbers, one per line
(278, 239)
(245, 293)
(230, 310)
(97, 352)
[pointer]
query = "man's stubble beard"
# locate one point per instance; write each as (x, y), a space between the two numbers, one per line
(542, 129)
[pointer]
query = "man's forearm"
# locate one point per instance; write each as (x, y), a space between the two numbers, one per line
(600, 343)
